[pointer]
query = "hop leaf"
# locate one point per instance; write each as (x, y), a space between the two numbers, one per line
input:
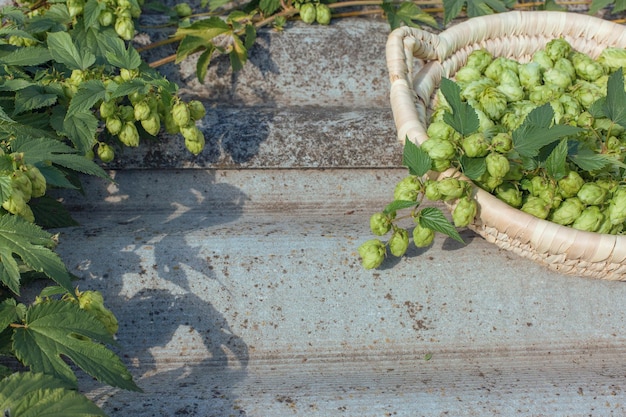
(57, 329)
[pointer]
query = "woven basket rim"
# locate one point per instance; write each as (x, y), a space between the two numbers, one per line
(560, 247)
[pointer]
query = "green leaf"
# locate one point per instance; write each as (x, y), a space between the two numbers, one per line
(453, 8)
(556, 165)
(64, 51)
(32, 98)
(407, 13)
(416, 159)
(214, 4)
(206, 29)
(434, 218)
(5, 183)
(81, 128)
(615, 103)
(250, 36)
(28, 394)
(57, 329)
(536, 132)
(30, 243)
(50, 213)
(119, 55)
(203, 64)
(32, 55)
(129, 87)
(399, 205)
(473, 168)
(88, 94)
(14, 84)
(8, 313)
(587, 160)
(92, 12)
(268, 7)
(38, 150)
(597, 5)
(189, 45)
(463, 118)
(238, 55)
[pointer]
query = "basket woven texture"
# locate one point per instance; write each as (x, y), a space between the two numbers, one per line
(417, 60)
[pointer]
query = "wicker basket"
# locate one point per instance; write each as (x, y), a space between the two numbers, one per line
(417, 60)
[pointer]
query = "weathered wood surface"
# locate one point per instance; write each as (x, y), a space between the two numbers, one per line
(238, 288)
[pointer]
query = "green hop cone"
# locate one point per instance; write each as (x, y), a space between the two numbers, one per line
(308, 13)
(617, 206)
(129, 135)
(170, 126)
(497, 165)
(125, 28)
(380, 223)
(530, 75)
(21, 182)
(452, 188)
(152, 124)
(502, 142)
(127, 113)
(558, 48)
(439, 149)
(196, 110)
(569, 210)
(510, 194)
(322, 14)
(372, 253)
(105, 152)
(440, 165)
(613, 58)
(107, 109)
(536, 206)
(493, 102)
(592, 194)
(181, 114)
(399, 242)
(75, 7)
(475, 145)
(464, 212)
(183, 9)
(106, 18)
(114, 125)
(93, 302)
(422, 236)
(15, 203)
(440, 130)
(141, 110)
(589, 220)
(431, 190)
(195, 145)
(466, 75)
(407, 189)
(479, 59)
(569, 185)
(37, 181)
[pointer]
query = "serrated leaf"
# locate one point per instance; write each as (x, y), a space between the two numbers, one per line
(615, 103)
(32, 55)
(473, 168)
(452, 8)
(92, 11)
(556, 164)
(5, 183)
(202, 65)
(58, 329)
(32, 98)
(587, 160)
(51, 214)
(238, 55)
(250, 36)
(121, 56)
(435, 219)
(9, 269)
(415, 158)
(407, 13)
(28, 394)
(55, 177)
(206, 29)
(129, 87)
(30, 243)
(214, 4)
(190, 45)
(88, 94)
(8, 313)
(463, 118)
(399, 205)
(81, 128)
(597, 5)
(13, 13)
(64, 51)
(268, 7)
(14, 84)
(38, 150)
(536, 132)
